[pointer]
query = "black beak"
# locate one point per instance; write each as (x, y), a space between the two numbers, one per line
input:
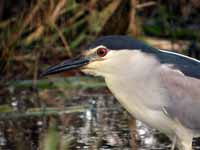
(66, 66)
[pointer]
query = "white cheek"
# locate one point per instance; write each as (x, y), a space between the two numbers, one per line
(95, 68)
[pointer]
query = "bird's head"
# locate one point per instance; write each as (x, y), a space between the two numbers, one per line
(106, 56)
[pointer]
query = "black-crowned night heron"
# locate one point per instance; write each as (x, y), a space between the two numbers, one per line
(158, 87)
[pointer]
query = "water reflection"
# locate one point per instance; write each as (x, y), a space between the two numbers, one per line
(3, 140)
(104, 126)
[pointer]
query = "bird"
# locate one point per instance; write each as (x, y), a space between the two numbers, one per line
(158, 87)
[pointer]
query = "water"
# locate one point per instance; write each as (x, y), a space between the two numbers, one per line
(104, 126)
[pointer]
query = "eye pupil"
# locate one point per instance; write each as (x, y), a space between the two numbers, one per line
(102, 52)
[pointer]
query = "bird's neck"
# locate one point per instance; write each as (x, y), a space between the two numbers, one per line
(137, 91)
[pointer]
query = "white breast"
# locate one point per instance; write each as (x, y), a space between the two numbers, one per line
(139, 91)
(132, 100)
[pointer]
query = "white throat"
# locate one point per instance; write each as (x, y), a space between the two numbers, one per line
(138, 90)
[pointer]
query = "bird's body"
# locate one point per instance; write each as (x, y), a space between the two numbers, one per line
(151, 99)
(158, 87)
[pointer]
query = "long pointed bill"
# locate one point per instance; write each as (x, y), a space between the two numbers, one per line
(66, 66)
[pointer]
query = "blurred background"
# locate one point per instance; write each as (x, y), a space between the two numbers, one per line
(79, 113)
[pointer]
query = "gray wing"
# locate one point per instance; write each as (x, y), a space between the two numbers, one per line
(184, 97)
(189, 66)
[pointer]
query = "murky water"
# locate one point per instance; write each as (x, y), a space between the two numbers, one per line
(108, 121)
(103, 126)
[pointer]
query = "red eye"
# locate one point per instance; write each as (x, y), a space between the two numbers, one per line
(101, 52)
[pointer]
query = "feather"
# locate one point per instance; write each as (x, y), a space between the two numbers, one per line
(183, 92)
(189, 66)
